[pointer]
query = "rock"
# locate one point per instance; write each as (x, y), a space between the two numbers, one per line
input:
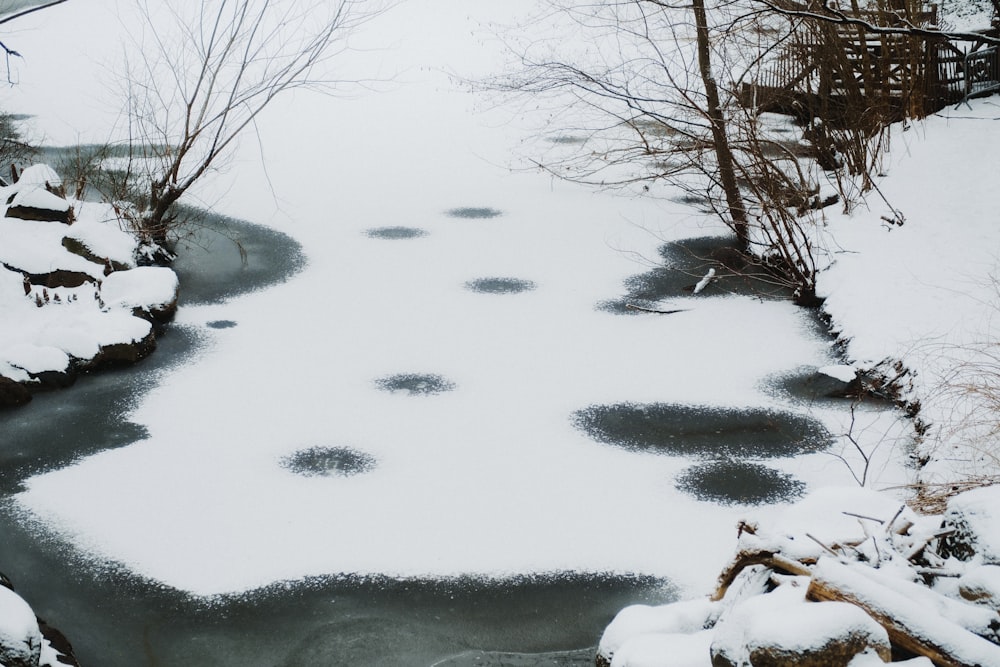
(78, 247)
(12, 393)
(46, 380)
(780, 629)
(20, 638)
(57, 651)
(118, 354)
(975, 518)
(981, 585)
(60, 278)
(687, 617)
(38, 195)
(150, 291)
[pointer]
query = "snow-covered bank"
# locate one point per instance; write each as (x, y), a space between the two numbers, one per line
(72, 295)
(846, 576)
(925, 293)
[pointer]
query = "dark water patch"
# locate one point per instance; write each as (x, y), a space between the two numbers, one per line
(700, 202)
(329, 462)
(472, 212)
(731, 482)
(116, 619)
(395, 233)
(622, 306)
(689, 430)
(500, 285)
(625, 306)
(415, 384)
(686, 262)
(806, 385)
(219, 258)
(57, 428)
(220, 324)
(567, 139)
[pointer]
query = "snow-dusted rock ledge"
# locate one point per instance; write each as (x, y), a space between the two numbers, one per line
(25, 639)
(846, 577)
(71, 293)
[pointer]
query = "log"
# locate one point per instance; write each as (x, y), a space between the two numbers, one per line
(748, 557)
(911, 626)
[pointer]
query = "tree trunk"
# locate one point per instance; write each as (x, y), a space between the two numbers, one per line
(720, 138)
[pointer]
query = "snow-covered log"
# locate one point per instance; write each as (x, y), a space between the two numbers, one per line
(915, 627)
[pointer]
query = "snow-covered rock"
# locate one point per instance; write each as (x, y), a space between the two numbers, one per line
(685, 618)
(37, 195)
(663, 649)
(975, 516)
(102, 241)
(981, 585)
(149, 289)
(20, 638)
(72, 297)
(781, 628)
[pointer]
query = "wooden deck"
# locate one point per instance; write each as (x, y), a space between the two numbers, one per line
(824, 69)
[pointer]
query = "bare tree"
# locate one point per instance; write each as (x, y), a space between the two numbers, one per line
(205, 72)
(654, 92)
(14, 11)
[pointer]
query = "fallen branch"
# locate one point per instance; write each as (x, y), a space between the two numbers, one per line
(632, 306)
(910, 626)
(746, 558)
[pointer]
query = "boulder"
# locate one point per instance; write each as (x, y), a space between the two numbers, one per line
(780, 629)
(975, 518)
(59, 278)
(12, 393)
(981, 585)
(149, 291)
(677, 618)
(79, 247)
(37, 203)
(118, 354)
(20, 637)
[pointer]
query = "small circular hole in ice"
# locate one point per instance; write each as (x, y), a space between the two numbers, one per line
(500, 285)
(474, 212)
(329, 461)
(395, 233)
(415, 384)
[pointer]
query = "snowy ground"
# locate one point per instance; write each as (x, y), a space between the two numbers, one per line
(490, 478)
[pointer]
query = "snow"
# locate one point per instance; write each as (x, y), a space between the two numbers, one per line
(784, 619)
(104, 238)
(144, 286)
(38, 175)
(657, 650)
(39, 197)
(919, 621)
(976, 511)
(687, 617)
(839, 372)
(36, 247)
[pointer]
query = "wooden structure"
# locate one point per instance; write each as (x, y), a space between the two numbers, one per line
(827, 68)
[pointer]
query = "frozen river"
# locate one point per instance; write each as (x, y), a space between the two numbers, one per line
(424, 442)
